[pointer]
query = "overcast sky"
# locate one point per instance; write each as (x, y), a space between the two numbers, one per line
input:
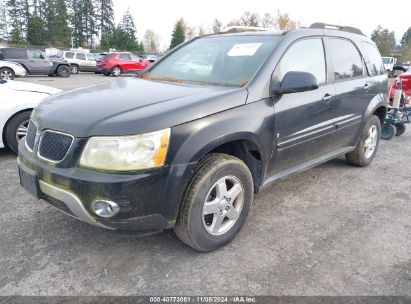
(161, 15)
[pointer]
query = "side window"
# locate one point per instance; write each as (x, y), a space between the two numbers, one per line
(373, 59)
(346, 59)
(34, 54)
(134, 58)
(305, 55)
(91, 57)
(69, 55)
(1, 55)
(124, 57)
(81, 56)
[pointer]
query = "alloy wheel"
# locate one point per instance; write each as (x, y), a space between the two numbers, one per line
(22, 130)
(6, 75)
(371, 141)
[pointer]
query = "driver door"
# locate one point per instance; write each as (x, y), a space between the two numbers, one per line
(304, 125)
(38, 64)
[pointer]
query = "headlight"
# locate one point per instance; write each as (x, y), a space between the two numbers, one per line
(126, 153)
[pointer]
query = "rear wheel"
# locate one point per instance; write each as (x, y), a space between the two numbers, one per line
(6, 74)
(367, 147)
(16, 129)
(116, 71)
(74, 69)
(216, 203)
(107, 74)
(63, 71)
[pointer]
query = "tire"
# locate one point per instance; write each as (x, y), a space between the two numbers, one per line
(400, 129)
(63, 71)
(13, 126)
(74, 69)
(106, 74)
(388, 131)
(6, 74)
(116, 71)
(208, 232)
(367, 146)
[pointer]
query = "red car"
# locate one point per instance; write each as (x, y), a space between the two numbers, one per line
(117, 63)
(406, 84)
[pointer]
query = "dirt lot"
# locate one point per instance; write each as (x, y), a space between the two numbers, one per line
(333, 230)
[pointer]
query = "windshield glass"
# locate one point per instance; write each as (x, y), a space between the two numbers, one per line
(386, 60)
(226, 61)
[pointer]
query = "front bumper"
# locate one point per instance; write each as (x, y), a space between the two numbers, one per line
(21, 72)
(148, 200)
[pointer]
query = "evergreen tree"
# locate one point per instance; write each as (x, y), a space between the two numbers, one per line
(406, 38)
(4, 34)
(178, 35)
(89, 22)
(385, 40)
(105, 15)
(59, 34)
(76, 12)
(15, 10)
(128, 33)
(36, 33)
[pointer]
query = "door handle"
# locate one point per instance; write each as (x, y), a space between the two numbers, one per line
(367, 86)
(327, 98)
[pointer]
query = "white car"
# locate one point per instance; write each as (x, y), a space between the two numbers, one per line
(17, 101)
(194, 67)
(9, 70)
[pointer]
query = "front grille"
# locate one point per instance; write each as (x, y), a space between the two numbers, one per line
(31, 135)
(54, 145)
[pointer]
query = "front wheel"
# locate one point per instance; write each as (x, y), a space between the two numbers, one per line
(116, 71)
(74, 69)
(63, 71)
(366, 148)
(6, 74)
(16, 129)
(216, 203)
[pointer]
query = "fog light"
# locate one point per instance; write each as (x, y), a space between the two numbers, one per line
(105, 209)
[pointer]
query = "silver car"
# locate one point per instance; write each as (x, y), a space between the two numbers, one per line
(9, 70)
(79, 61)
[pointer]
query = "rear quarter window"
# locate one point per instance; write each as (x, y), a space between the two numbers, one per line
(373, 59)
(69, 55)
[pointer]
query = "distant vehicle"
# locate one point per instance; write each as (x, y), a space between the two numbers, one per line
(406, 84)
(389, 63)
(79, 61)
(17, 101)
(117, 63)
(150, 57)
(194, 67)
(35, 62)
(9, 70)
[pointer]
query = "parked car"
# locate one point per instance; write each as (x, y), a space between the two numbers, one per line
(406, 84)
(35, 62)
(9, 70)
(116, 63)
(17, 101)
(150, 57)
(79, 61)
(172, 149)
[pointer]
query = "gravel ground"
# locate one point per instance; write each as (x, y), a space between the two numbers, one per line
(332, 230)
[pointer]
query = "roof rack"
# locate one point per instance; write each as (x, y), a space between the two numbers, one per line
(350, 29)
(238, 29)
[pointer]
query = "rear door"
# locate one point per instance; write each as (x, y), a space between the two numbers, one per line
(348, 73)
(81, 60)
(304, 120)
(137, 63)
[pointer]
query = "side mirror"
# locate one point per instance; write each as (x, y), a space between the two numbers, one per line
(294, 82)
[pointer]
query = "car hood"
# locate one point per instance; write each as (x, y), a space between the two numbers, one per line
(133, 106)
(31, 87)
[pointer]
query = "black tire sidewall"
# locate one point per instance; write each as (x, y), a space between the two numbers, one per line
(60, 72)
(11, 128)
(199, 234)
(400, 129)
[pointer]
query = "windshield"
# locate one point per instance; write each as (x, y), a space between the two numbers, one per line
(386, 60)
(219, 60)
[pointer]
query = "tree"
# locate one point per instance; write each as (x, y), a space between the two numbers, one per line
(15, 11)
(268, 21)
(151, 42)
(406, 38)
(77, 23)
(4, 33)
(105, 14)
(59, 34)
(284, 22)
(179, 35)
(217, 26)
(202, 30)
(128, 33)
(36, 33)
(89, 21)
(385, 40)
(250, 19)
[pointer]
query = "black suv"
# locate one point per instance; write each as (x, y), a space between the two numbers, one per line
(186, 146)
(35, 63)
